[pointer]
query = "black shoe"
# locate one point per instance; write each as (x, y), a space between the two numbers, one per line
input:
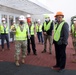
(3, 49)
(56, 69)
(44, 51)
(28, 53)
(59, 69)
(35, 53)
(8, 48)
(55, 66)
(50, 53)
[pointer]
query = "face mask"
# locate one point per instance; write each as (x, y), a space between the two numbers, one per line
(29, 24)
(21, 22)
(46, 19)
(4, 22)
(74, 22)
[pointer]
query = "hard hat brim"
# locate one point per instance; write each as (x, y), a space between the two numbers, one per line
(21, 19)
(58, 15)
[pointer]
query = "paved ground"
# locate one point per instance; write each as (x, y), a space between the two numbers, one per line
(9, 68)
(43, 60)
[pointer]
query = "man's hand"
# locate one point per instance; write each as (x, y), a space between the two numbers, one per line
(44, 33)
(34, 35)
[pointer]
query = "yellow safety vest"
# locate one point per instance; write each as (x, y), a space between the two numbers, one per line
(74, 34)
(47, 26)
(72, 28)
(73, 31)
(57, 32)
(2, 29)
(39, 28)
(32, 30)
(55, 25)
(21, 35)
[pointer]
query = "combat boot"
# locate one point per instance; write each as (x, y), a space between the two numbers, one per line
(23, 61)
(44, 51)
(74, 61)
(3, 50)
(17, 63)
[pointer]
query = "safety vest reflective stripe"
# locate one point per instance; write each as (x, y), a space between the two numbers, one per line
(32, 30)
(2, 29)
(72, 28)
(21, 38)
(47, 26)
(21, 35)
(73, 31)
(55, 25)
(39, 29)
(74, 34)
(57, 32)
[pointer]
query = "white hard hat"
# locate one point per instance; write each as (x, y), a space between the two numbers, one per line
(21, 17)
(3, 19)
(74, 19)
(38, 20)
(28, 15)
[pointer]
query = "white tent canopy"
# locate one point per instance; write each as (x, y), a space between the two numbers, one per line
(25, 6)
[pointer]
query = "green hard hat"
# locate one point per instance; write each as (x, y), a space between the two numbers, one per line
(46, 16)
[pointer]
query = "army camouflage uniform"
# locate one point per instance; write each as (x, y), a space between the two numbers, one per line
(20, 46)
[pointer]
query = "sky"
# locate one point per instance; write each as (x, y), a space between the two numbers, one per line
(56, 5)
(68, 7)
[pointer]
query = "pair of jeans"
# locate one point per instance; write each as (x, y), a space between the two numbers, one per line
(4, 37)
(40, 38)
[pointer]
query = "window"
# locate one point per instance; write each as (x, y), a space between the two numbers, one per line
(17, 20)
(4, 16)
(11, 19)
